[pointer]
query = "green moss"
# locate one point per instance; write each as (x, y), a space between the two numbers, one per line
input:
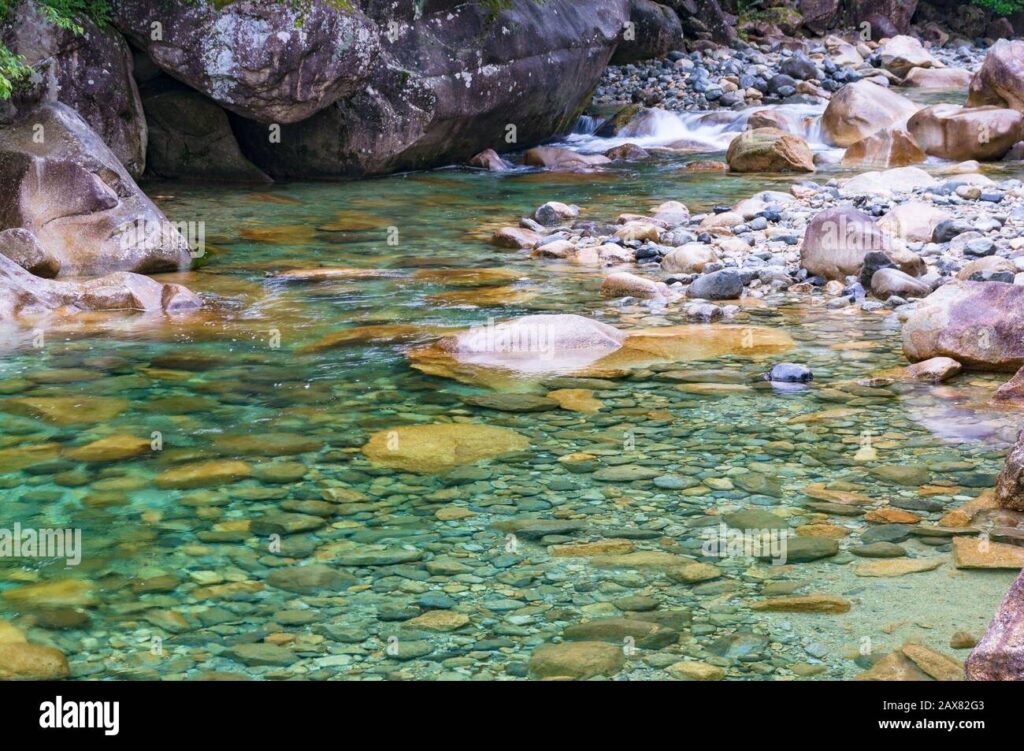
(1001, 7)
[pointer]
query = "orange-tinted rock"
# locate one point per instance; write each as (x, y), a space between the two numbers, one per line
(769, 150)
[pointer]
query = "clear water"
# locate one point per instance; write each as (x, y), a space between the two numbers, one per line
(237, 369)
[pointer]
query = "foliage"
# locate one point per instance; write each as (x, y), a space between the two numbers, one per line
(1002, 7)
(64, 14)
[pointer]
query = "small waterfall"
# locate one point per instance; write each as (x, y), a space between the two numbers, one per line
(585, 125)
(696, 132)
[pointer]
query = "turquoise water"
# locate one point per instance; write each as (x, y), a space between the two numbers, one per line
(173, 581)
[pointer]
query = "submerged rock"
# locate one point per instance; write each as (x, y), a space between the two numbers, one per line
(433, 449)
(577, 659)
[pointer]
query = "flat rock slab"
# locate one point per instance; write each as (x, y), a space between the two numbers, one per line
(971, 552)
(888, 567)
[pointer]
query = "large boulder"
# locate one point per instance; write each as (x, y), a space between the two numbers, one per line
(944, 79)
(889, 147)
(952, 132)
(654, 31)
(60, 181)
(1010, 482)
(976, 323)
(191, 139)
(999, 656)
(902, 53)
(1000, 80)
(269, 61)
(452, 82)
(913, 221)
(819, 15)
(881, 14)
(90, 72)
(705, 19)
(769, 150)
(860, 109)
(836, 241)
(23, 295)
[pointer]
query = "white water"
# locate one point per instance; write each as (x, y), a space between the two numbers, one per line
(703, 131)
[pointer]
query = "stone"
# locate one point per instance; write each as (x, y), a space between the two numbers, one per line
(861, 109)
(896, 566)
(934, 370)
(902, 53)
(1012, 389)
(695, 671)
(31, 662)
(944, 79)
(285, 64)
(657, 31)
(576, 400)
(913, 221)
(1000, 79)
(949, 131)
(645, 634)
(769, 150)
(999, 656)
(513, 402)
(689, 259)
(22, 247)
(725, 284)
(591, 549)
(889, 147)
(888, 282)
(562, 160)
(895, 666)
(974, 323)
(439, 620)
(489, 160)
(879, 550)
(972, 553)
(692, 573)
(25, 296)
(963, 640)
(89, 69)
(836, 241)
(111, 449)
(54, 594)
(805, 549)
(203, 475)
(515, 237)
(262, 654)
(426, 98)
(72, 193)
(190, 139)
(813, 603)
(937, 665)
(1009, 493)
(885, 183)
(576, 660)
(625, 284)
(433, 449)
(313, 579)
